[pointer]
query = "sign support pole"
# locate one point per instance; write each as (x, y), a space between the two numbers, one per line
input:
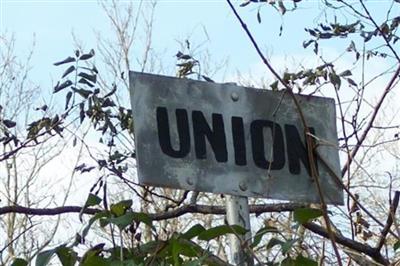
(237, 213)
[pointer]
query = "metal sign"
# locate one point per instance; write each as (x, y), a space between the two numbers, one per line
(222, 138)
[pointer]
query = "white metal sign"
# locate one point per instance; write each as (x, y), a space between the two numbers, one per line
(222, 138)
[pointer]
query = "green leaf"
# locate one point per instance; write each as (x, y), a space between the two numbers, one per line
(274, 242)
(67, 256)
(221, 230)
(121, 207)
(19, 262)
(304, 215)
(175, 250)
(288, 262)
(120, 221)
(335, 80)
(96, 261)
(274, 86)
(43, 258)
(92, 200)
(127, 219)
(286, 246)
(194, 231)
(396, 245)
(303, 261)
(187, 249)
(260, 233)
(96, 217)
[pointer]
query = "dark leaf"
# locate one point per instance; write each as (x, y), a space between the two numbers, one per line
(66, 60)
(74, 142)
(43, 108)
(127, 219)
(396, 245)
(274, 242)
(345, 73)
(61, 86)
(82, 111)
(19, 262)
(67, 99)
(335, 80)
(108, 103)
(207, 79)
(274, 85)
(86, 82)
(315, 50)
(87, 56)
(9, 123)
(221, 230)
(82, 92)
(304, 215)
(286, 246)
(113, 90)
(351, 82)
(96, 217)
(260, 233)
(245, 3)
(92, 200)
(288, 261)
(258, 16)
(303, 261)
(185, 57)
(179, 54)
(44, 257)
(86, 76)
(193, 231)
(67, 256)
(307, 43)
(69, 70)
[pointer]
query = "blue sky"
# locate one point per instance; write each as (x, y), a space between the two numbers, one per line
(207, 22)
(51, 23)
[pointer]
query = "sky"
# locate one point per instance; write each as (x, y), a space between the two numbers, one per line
(51, 24)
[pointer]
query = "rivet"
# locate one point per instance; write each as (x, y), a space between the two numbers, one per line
(243, 186)
(235, 96)
(189, 181)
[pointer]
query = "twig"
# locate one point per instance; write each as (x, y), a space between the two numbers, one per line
(389, 221)
(309, 140)
(371, 121)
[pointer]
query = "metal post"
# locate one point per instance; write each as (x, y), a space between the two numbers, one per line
(237, 213)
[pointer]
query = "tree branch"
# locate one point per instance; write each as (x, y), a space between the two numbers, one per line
(347, 242)
(258, 209)
(371, 121)
(389, 222)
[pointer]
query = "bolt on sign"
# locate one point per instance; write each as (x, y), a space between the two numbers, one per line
(222, 138)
